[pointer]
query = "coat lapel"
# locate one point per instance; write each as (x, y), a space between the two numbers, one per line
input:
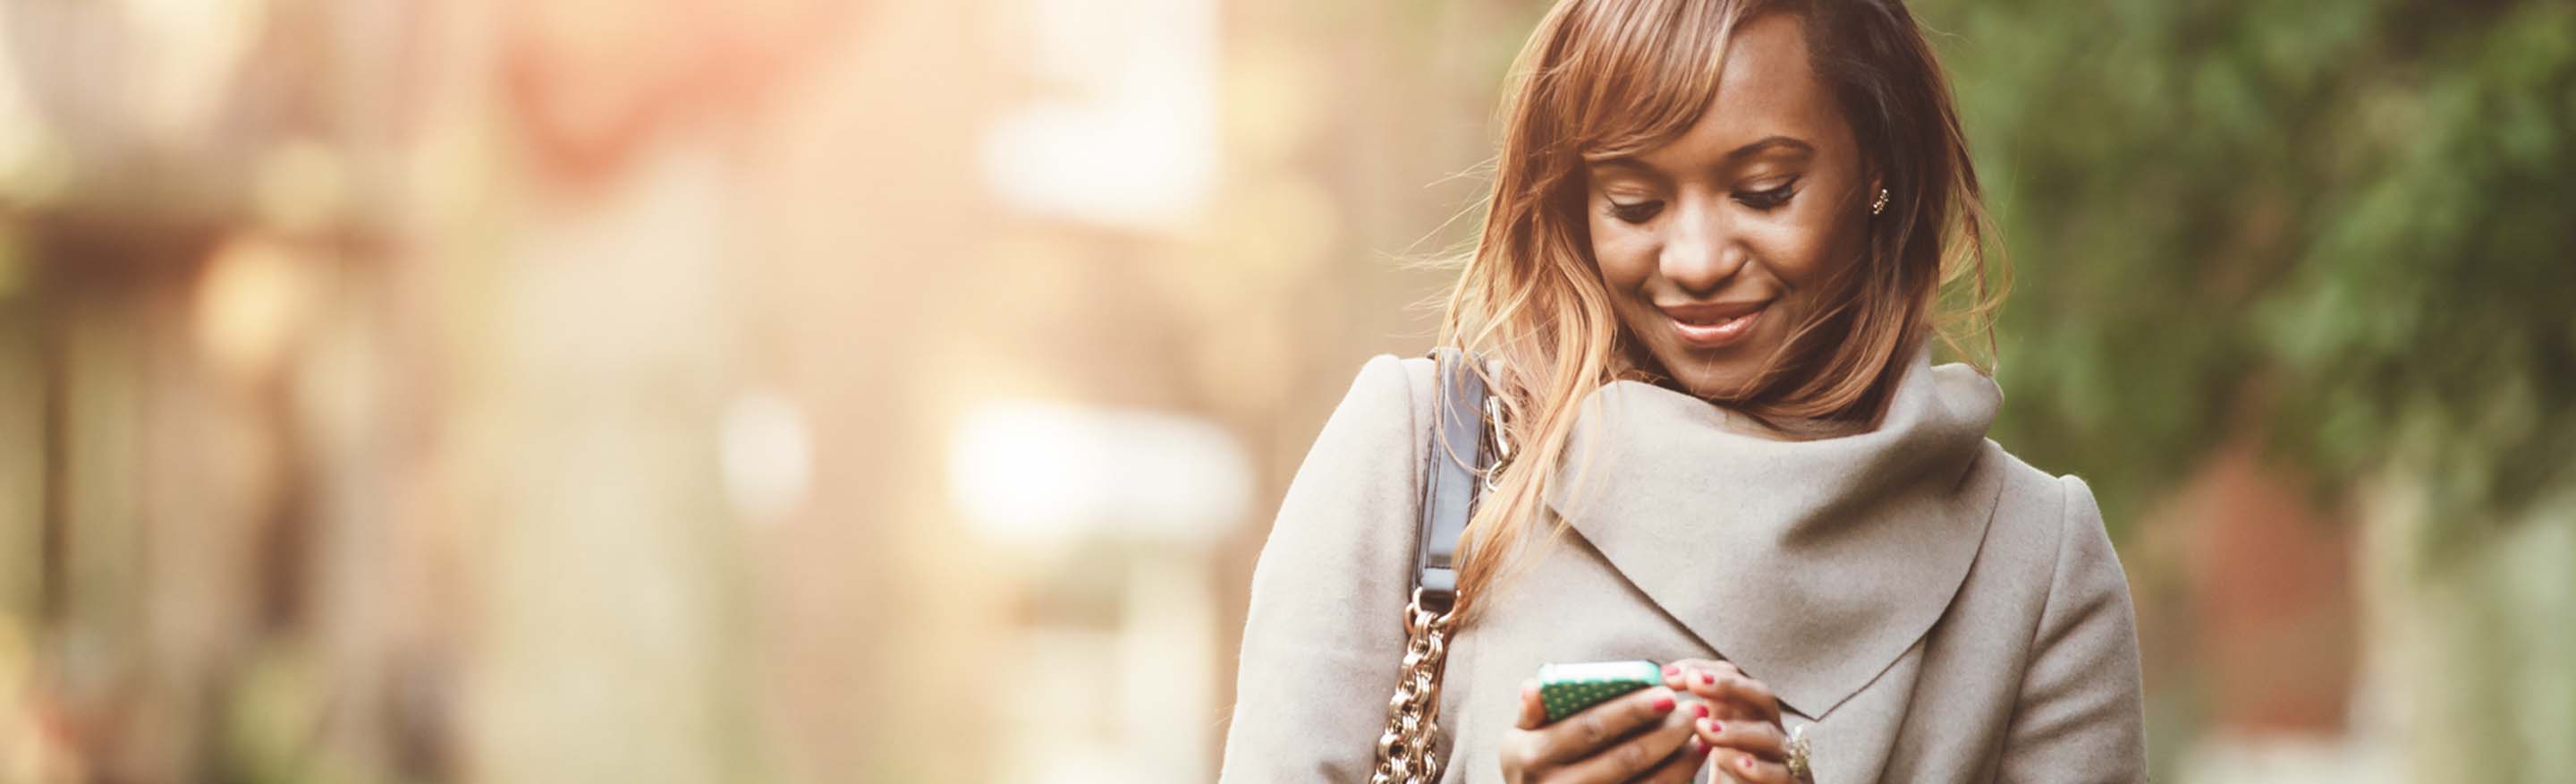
(1813, 565)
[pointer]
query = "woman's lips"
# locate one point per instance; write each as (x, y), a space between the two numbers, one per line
(1717, 325)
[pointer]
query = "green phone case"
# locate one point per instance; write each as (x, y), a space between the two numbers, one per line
(1566, 689)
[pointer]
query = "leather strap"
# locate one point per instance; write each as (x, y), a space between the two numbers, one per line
(1451, 477)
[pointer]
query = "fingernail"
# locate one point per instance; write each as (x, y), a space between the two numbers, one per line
(1698, 747)
(1715, 726)
(1672, 669)
(1699, 709)
(1745, 762)
(1663, 703)
(1707, 679)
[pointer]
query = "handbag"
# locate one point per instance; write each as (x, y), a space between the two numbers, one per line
(1461, 458)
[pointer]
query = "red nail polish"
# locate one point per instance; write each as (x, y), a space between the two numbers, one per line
(1699, 709)
(1707, 679)
(1716, 726)
(1664, 703)
(1745, 762)
(1672, 669)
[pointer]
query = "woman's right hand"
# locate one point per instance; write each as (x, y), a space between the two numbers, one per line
(1643, 736)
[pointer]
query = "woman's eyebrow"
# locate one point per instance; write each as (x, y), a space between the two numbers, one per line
(1757, 147)
(1619, 162)
(1770, 143)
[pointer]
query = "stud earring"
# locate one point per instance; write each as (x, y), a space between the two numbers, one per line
(1880, 204)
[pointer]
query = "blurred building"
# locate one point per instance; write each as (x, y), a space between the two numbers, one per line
(610, 392)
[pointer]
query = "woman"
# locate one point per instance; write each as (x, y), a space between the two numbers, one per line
(1714, 257)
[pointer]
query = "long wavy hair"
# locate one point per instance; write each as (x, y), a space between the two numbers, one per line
(1616, 77)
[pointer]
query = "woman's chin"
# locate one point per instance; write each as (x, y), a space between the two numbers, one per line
(1715, 384)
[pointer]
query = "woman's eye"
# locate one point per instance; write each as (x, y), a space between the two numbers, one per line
(1638, 212)
(1769, 198)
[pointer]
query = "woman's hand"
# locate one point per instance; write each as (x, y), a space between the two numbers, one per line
(1636, 737)
(1744, 737)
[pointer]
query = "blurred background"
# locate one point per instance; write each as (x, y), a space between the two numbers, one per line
(802, 390)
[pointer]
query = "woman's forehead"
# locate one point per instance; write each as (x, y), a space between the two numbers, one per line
(1767, 93)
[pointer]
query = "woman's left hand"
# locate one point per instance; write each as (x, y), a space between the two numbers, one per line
(1742, 733)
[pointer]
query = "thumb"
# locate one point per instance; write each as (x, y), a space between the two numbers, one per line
(1533, 712)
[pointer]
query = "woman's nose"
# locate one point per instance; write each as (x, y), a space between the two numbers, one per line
(1702, 252)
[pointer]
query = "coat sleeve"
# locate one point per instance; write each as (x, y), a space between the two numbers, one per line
(2081, 714)
(1325, 630)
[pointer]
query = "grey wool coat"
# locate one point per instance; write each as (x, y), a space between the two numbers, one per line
(1929, 607)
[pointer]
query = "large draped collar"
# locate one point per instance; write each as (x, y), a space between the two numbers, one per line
(1814, 565)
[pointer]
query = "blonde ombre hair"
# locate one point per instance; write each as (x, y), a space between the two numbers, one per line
(1618, 77)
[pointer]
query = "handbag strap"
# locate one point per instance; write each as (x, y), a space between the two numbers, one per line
(1451, 472)
(1408, 751)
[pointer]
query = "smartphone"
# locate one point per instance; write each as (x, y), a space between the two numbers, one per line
(1566, 689)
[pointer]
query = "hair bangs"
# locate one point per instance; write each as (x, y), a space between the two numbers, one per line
(1637, 76)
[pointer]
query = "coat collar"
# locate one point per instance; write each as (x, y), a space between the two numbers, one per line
(1813, 565)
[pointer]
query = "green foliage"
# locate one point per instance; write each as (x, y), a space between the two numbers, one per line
(2344, 226)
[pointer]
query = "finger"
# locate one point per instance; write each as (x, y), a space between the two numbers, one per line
(1761, 738)
(1740, 689)
(1589, 730)
(1679, 671)
(1516, 756)
(1533, 711)
(1679, 766)
(1636, 755)
(1752, 770)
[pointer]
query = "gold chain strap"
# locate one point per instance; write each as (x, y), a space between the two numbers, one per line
(1407, 753)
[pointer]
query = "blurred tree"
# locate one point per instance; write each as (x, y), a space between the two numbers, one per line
(2341, 226)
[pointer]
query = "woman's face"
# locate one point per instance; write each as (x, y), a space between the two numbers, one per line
(1712, 245)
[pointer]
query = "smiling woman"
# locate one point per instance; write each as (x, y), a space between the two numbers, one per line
(1747, 214)
(1741, 225)
(1713, 260)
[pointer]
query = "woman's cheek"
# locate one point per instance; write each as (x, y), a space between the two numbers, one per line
(1625, 260)
(1791, 253)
